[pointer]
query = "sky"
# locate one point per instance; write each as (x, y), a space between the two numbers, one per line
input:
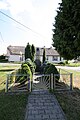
(37, 15)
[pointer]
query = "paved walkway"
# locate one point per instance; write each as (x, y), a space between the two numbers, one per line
(43, 106)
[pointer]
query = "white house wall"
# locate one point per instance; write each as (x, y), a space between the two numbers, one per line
(50, 59)
(14, 58)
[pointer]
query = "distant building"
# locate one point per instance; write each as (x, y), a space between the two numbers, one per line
(16, 53)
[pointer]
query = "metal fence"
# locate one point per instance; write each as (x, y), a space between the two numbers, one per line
(18, 83)
(65, 82)
(21, 82)
(61, 81)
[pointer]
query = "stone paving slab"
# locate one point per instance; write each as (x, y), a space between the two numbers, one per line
(43, 106)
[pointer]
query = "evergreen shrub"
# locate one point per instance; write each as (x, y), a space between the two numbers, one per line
(50, 68)
(38, 65)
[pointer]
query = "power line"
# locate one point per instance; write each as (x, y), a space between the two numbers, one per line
(20, 28)
(21, 24)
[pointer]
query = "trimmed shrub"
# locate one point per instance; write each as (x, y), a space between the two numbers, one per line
(50, 68)
(25, 69)
(30, 64)
(43, 66)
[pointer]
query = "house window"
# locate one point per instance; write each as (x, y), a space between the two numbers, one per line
(37, 49)
(55, 58)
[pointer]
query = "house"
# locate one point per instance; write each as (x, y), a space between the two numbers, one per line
(16, 53)
(51, 55)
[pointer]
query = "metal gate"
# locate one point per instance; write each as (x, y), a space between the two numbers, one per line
(53, 82)
(41, 82)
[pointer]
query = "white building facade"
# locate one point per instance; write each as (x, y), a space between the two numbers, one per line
(17, 54)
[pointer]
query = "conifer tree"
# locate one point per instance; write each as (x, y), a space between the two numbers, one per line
(33, 52)
(44, 55)
(66, 36)
(28, 52)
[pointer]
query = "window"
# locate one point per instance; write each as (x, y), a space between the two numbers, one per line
(37, 49)
(55, 58)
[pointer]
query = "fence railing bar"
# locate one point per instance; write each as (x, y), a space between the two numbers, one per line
(59, 69)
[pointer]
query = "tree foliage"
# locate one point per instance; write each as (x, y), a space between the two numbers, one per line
(33, 52)
(44, 55)
(29, 52)
(66, 36)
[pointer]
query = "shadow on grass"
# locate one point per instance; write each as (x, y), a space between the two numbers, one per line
(5, 70)
(70, 103)
(12, 106)
(2, 91)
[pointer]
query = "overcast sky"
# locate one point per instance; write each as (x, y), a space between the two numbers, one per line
(38, 15)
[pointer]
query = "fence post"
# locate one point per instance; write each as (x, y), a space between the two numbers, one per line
(29, 84)
(71, 81)
(54, 81)
(51, 81)
(6, 89)
(59, 70)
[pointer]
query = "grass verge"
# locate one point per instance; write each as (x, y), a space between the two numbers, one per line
(76, 76)
(12, 107)
(4, 70)
(73, 64)
(70, 103)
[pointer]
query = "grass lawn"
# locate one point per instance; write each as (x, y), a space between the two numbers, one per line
(70, 103)
(4, 70)
(74, 64)
(76, 77)
(9, 67)
(3, 77)
(77, 64)
(12, 107)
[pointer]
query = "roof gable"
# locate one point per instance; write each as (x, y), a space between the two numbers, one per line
(17, 50)
(49, 51)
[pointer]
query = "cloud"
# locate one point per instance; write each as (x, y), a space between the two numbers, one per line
(18, 6)
(3, 5)
(36, 14)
